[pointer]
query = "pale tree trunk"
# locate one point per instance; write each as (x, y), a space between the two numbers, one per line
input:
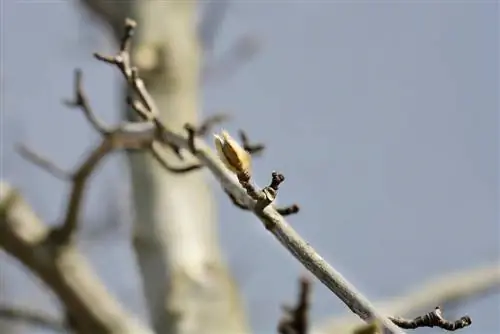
(188, 288)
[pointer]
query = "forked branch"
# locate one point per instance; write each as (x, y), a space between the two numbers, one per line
(272, 220)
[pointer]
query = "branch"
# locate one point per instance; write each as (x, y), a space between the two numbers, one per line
(33, 318)
(81, 101)
(64, 270)
(432, 319)
(43, 162)
(449, 289)
(271, 219)
(296, 319)
(112, 139)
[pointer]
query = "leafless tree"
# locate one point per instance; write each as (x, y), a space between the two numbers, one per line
(187, 284)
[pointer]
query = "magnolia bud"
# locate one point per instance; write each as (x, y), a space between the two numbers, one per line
(234, 157)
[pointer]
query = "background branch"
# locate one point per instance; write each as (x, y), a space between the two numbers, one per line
(64, 270)
(33, 318)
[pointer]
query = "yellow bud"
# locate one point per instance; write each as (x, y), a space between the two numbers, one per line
(234, 157)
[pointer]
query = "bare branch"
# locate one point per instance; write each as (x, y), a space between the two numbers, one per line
(288, 210)
(81, 101)
(33, 318)
(296, 319)
(63, 269)
(42, 162)
(206, 127)
(163, 162)
(272, 220)
(432, 319)
(112, 139)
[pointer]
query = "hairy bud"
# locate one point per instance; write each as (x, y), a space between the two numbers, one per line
(234, 157)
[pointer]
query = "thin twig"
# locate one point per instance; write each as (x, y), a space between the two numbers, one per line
(432, 319)
(206, 127)
(42, 162)
(118, 138)
(296, 319)
(81, 101)
(177, 170)
(191, 136)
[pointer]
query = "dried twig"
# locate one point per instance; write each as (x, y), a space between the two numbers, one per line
(177, 170)
(81, 101)
(43, 162)
(273, 221)
(432, 319)
(296, 319)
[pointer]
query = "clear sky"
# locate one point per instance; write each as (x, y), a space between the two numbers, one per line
(383, 115)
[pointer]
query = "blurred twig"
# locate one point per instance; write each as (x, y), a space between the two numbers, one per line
(33, 318)
(296, 319)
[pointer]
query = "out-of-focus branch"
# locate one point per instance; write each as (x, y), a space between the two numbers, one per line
(111, 139)
(211, 22)
(244, 49)
(271, 219)
(51, 252)
(296, 319)
(239, 53)
(33, 318)
(450, 289)
(63, 269)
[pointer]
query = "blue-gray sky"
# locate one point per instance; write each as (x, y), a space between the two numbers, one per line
(383, 115)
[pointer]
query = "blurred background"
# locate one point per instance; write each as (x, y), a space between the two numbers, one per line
(382, 115)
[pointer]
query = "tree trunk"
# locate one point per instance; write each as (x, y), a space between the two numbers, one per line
(188, 287)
